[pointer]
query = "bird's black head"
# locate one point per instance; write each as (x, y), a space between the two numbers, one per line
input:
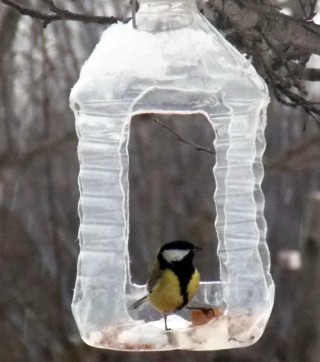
(176, 252)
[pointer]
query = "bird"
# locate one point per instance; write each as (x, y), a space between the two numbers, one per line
(174, 280)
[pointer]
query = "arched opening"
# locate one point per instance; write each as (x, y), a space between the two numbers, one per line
(171, 188)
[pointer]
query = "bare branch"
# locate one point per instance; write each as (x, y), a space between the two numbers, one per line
(308, 8)
(310, 74)
(279, 45)
(61, 14)
(181, 139)
(289, 30)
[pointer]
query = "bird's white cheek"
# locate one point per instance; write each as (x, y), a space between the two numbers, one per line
(174, 255)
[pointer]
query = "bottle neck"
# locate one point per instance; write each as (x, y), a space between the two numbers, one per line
(157, 15)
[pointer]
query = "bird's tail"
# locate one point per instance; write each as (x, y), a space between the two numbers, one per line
(137, 304)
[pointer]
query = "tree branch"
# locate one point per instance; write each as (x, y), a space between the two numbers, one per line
(279, 44)
(310, 74)
(182, 139)
(61, 14)
(289, 30)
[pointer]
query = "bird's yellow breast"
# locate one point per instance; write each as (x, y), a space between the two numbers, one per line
(193, 285)
(166, 295)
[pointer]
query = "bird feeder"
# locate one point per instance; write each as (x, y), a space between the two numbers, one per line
(170, 61)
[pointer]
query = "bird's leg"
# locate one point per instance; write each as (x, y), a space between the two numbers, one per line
(165, 323)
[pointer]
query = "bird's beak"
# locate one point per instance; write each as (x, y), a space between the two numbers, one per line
(198, 248)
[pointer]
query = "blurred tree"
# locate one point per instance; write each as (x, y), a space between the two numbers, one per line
(39, 166)
(307, 337)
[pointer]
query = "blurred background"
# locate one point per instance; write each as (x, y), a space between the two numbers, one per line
(39, 195)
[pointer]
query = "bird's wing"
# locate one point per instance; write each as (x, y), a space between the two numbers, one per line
(154, 277)
(152, 281)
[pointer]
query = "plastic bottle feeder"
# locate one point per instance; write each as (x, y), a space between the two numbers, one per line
(173, 63)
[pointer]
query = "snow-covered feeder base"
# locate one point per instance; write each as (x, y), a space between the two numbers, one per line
(220, 333)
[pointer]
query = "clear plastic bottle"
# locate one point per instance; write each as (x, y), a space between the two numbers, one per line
(174, 62)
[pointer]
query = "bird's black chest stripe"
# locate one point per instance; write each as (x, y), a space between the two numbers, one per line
(184, 274)
(184, 270)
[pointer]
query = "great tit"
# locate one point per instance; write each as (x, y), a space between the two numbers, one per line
(174, 280)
